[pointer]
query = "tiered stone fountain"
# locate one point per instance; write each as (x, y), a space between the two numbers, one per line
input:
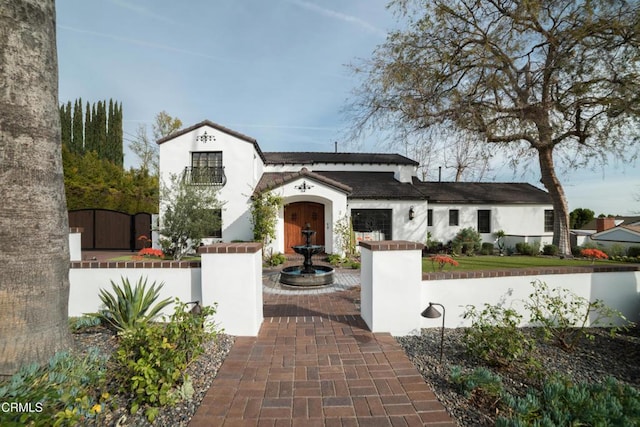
(307, 274)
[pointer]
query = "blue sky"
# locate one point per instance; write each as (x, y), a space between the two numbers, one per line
(274, 70)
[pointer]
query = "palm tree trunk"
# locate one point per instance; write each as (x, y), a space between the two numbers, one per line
(560, 206)
(34, 245)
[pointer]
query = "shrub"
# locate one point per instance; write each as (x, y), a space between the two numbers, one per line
(633, 251)
(615, 250)
(487, 248)
(500, 237)
(152, 357)
(524, 248)
(562, 403)
(467, 241)
(551, 250)
(441, 261)
(482, 385)
(335, 259)
(494, 335)
(593, 254)
(274, 259)
(69, 391)
(563, 316)
(127, 307)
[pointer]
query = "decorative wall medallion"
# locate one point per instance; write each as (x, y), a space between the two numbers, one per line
(303, 187)
(205, 137)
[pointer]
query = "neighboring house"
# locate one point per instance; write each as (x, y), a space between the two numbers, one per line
(622, 231)
(379, 192)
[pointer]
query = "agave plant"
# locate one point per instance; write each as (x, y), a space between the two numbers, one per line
(129, 307)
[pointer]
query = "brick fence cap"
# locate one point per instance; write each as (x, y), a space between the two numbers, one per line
(235, 248)
(391, 245)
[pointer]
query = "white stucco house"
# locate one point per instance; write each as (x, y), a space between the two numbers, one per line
(609, 231)
(379, 191)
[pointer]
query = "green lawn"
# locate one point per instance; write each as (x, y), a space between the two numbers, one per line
(487, 262)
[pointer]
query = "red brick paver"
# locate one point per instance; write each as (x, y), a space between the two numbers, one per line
(315, 363)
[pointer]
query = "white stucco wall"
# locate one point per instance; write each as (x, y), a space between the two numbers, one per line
(335, 207)
(233, 281)
(85, 285)
(520, 222)
(242, 166)
(618, 290)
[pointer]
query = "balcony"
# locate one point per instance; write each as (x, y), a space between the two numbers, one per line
(205, 176)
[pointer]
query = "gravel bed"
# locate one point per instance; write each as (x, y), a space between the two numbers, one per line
(592, 361)
(202, 372)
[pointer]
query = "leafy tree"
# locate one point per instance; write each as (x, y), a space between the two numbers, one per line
(91, 182)
(188, 213)
(579, 217)
(538, 79)
(147, 150)
(264, 216)
(34, 253)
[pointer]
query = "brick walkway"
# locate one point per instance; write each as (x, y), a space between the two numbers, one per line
(315, 363)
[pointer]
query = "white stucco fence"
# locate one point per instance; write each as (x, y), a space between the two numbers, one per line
(394, 292)
(85, 285)
(229, 275)
(393, 289)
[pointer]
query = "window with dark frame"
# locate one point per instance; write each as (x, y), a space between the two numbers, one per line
(207, 168)
(372, 221)
(429, 217)
(454, 217)
(548, 220)
(216, 219)
(484, 221)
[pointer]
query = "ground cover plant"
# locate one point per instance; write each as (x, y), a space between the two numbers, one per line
(498, 373)
(127, 370)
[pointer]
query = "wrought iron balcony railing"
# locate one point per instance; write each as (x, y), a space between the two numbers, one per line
(205, 176)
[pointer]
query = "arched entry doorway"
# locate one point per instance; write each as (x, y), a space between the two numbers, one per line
(296, 216)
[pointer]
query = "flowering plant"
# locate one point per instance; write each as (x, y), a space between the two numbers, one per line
(442, 261)
(151, 253)
(593, 254)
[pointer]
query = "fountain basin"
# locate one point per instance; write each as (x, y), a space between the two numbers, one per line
(298, 276)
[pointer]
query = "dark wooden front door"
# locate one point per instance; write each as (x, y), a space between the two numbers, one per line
(296, 216)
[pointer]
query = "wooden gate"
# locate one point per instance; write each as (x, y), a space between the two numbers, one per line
(296, 216)
(106, 229)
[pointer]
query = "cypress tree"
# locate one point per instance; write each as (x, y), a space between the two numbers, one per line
(118, 135)
(65, 124)
(77, 137)
(100, 125)
(110, 151)
(89, 141)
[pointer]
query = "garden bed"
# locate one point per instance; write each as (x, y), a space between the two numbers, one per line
(592, 362)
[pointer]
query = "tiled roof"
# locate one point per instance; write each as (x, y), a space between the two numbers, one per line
(271, 180)
(309, 157)
(375, 185)
(482, 192)
(215, 126)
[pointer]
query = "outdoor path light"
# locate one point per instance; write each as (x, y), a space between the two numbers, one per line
(432, 313)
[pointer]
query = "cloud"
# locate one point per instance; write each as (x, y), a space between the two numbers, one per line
(142, 11)
(338, 16)
(144, 43)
